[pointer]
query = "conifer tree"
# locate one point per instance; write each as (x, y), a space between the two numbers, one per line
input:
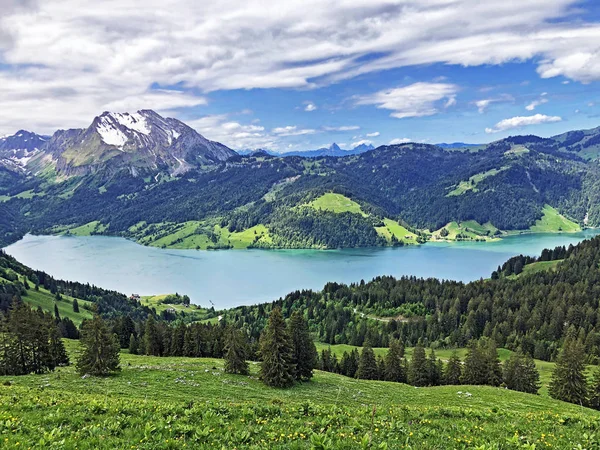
(304, 352)
(58, 353)
(568, 381)
(56, 313)
(75, 306)
(380, 367)
(367, 365)
(433, 369)
(178, 341)
(277, 368)
(152, 338)
(475, 368)
(133, 345)
(418, 375)
(236, 352)
(520, 374)
(453, 371)
(393, 363)
(492, 362)
(100, 355)
(595, 390)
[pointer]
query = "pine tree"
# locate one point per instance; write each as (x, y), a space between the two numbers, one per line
(100, 355)
(236, 352)
(178, 341)
(75, 306)
(418, 375)
(304, 352)
(595, 390)
(133, 345)
(520, 374)
(393, 363)
(152, 338)
(568, 381)
(433, 370)
(58, 353)
(56, 313)
(475, 368)
(492, 362)
(453, 371)
(367, 366)
(277, 368)
(380, 367)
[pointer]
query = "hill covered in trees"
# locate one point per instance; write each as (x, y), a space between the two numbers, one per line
(401, 194)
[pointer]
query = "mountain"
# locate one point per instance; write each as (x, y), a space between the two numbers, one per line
(140, 143)
(20, 147)
(456, 145)
(585, 143)
(332, 150)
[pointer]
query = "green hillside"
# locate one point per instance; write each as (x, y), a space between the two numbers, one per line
(168, 403)
(552, 221)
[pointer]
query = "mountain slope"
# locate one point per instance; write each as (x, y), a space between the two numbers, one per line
(141, 143)
(19, 148)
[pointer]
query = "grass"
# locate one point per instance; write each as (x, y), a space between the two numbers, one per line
(336, 203)
(46, 300)
(552, 222)
(87, 229)
(393, 228)
(540, 266)
(471, 184)
(470, 230)
(195, 312)
(172, 403)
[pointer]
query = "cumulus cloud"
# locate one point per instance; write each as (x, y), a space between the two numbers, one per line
(400, 141)
(235, 135)
(374, 134)
(63, 63)
(522, 121)
(361, 142)
(415, 100)
(310, 107)
(292, 130)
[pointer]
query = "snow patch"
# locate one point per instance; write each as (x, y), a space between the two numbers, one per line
(175, 134)
(109, 134)
(136, 122)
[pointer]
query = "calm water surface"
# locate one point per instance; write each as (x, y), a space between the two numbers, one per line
(241, 277)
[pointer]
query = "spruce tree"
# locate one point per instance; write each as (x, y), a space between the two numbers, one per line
(453, 371)
(492, 362)
(75, 306)
(56, 313)
(277, 368)
(433, 368)
(568, 381)
(595, 390)
(236, 352)
(58, 353)
(152, 338)
(418, 374)
(380, 367)
(100, 355)
(393, 363)
(367, 365)
(178, 341)
(304, 352)
(133, 345)
(475, 368)
(520, 374)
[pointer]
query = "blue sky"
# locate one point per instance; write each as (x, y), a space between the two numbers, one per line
(301, 74)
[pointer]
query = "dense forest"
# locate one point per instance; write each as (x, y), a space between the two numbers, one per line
(423, 186)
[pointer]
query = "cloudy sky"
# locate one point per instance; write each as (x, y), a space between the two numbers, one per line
(299, 74)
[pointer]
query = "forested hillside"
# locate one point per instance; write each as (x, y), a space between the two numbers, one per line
(403, 194)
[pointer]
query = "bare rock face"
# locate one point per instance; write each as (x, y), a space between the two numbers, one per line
(140, 143)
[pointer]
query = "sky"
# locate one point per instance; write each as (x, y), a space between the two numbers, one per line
(301, 74)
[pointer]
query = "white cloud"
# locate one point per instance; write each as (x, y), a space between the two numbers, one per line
(521, 121)
(310, 107)
(483, 104)
(400, 141)
(292, 130)
(534, 104)
(361, 142)
(62, 61)
(342, 128)
(374, 134)
(234, 134)
(415, 100)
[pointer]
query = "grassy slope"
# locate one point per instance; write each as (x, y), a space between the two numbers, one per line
(552, 221)
(336, 203)
(154, 301)
(46, 300)
(168, 403)
(471, 183)
(471, 229)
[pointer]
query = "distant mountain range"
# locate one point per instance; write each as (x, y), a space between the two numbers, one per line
(158, 181)
(332, 150)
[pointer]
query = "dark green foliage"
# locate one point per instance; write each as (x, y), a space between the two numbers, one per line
(349, 363)
(453, 370)
(492, 361)
(475, 370)
(520, 374)
(236, 352)
(75, 306)
(304, 352)
(367, 366)
(134, 346)
(277, 368)
(100, 355)
(394, 369)
(30, 342)
(569, 382)
(434, 371)
(153, 340)
(594, 390)
(418, 368)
